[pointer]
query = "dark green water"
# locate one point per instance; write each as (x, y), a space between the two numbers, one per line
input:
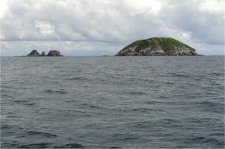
(149, 102)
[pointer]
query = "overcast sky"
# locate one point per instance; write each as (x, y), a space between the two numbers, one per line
(99, 27)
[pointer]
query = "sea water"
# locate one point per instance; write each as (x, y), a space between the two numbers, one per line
(112, 102)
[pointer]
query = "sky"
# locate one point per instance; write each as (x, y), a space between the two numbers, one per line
(103, 27)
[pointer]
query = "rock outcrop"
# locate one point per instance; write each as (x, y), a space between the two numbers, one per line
(54, 53)
(157, 46)
(43, 53)
(33, 53)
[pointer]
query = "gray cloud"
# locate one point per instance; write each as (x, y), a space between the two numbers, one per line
(204, 24)
(108, 25)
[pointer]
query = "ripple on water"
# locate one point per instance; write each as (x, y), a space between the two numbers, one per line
(41, 145)
(70, 145)
(88, 105)
(3, 127)
(201, 141)
(157, 124)
(144, 110)
(210, 106)
(10, 145)
(23, 102)
(76, 78)
(179, 75)
(125, 137)
(145, 101)
(56, 91)
(37, 145)
(41, 134)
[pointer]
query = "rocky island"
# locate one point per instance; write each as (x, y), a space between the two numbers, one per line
(34, 53)
(157, 46)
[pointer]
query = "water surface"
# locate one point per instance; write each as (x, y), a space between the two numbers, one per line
(154, 102)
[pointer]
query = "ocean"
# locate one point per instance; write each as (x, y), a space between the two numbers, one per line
(112, 102)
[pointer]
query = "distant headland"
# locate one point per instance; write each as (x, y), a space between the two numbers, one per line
(34, 53)
(157, 46)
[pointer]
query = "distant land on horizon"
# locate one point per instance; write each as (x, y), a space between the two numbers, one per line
(34, 53)
(156, 46)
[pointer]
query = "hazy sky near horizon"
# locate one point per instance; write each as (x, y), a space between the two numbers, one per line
(99, 27)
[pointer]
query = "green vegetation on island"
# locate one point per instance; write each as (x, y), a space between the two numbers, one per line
(157, 46)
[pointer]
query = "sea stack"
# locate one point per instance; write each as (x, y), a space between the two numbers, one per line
(157, 46)
(43, 53)
(33, 53)
(54, 53)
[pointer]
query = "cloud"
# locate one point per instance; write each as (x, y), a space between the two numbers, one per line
(205, 24)
(67, 48)
(110, 22)
(45, 28)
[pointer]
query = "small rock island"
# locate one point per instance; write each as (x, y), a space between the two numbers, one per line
(34, 53)
(157, 46)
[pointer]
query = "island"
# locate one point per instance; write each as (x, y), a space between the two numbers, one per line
(157, 46)
(34, 53)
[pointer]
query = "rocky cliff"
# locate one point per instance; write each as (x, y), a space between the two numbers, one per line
(157, 46)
